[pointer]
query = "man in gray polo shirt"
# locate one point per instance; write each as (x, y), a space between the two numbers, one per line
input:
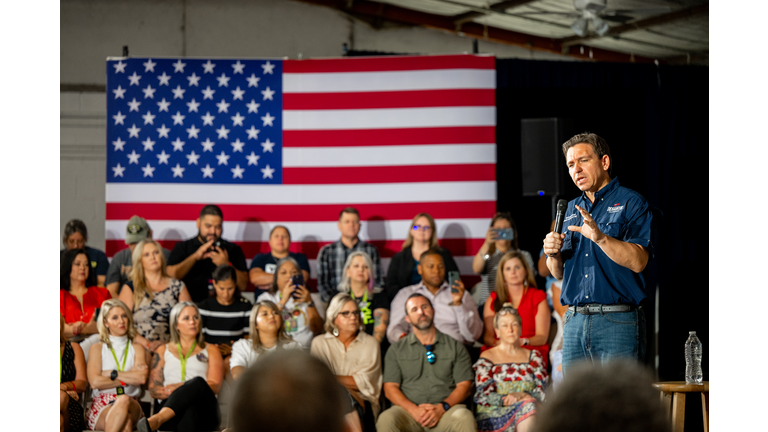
(426, 377)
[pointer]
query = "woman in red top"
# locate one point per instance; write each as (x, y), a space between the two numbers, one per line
(515, 284)
(77, 302)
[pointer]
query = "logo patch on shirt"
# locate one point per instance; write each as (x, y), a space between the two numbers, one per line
(270, 268)
(616, 208)
(573, 216)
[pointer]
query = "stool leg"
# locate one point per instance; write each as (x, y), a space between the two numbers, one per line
(678, 412)
(705, 409)
(666, 403)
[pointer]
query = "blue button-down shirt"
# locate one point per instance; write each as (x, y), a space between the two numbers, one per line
(589, 275)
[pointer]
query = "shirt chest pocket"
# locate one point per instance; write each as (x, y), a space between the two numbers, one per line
(410, 367)
(611, 229)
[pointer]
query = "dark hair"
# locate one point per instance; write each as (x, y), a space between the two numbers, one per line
(273, 288)
(507, 217)
(279, 226)
(414, 295)
(350, 210)
(268, 393)
(599, 146)
(66, 267)
(73, 226)
(224, 273)
(430, 251)
(616, 396)
(212, 210)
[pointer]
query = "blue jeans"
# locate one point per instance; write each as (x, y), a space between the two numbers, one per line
(600, 338)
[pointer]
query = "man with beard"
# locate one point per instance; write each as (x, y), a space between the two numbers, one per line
(456, 314)
(193, 261)
(427, 376)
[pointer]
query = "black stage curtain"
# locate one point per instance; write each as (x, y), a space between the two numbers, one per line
(656, 121)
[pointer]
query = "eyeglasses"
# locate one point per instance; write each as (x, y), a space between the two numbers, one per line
(424, 228)
(431, 358)
(346, 313)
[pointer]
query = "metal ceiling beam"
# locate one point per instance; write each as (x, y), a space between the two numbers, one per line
(643, 23)
(475, 30)
(498, 7)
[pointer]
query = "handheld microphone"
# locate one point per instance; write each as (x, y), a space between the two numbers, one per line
(561, 206)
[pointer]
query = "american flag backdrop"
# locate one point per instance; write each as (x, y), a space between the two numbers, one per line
(292, 142)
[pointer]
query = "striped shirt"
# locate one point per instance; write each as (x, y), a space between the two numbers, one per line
(330, 265)
(222, 324)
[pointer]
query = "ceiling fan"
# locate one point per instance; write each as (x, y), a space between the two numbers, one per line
(596, 13)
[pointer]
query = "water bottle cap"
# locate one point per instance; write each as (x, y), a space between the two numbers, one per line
(691, 332)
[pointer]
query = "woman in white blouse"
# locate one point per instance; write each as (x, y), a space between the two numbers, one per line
(302, 322)
(267, 334)
(186, 376)
(352, 355)
(116, 370)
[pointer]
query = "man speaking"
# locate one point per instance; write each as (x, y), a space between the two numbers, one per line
(600, 257)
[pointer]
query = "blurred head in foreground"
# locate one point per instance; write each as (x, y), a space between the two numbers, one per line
(288, 391)
(616, 396)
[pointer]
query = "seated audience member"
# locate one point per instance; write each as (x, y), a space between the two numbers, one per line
(71, 381)
(75, 237)
(352, 355)
(225, 315)
(185, 378)
(331, 258)
(487, 259)
(116, 370)
(372, 301)
(151, 294)
(119, 272)
(302, 322)
(427, 376)
(267, 334)
(403, 268)
(616, 396)
(510, 379)
(455, 312)
(515, 284)
(289, 391)
(194, 260)
(263, 265)
(77, 301)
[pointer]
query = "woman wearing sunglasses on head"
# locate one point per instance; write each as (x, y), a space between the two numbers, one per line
(352, 355)
(422, 235)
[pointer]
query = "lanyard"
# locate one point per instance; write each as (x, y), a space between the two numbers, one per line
(125, 357)
(183, 359)
(365, 311)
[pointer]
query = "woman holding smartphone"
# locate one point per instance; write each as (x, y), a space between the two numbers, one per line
(486, 261)
(288, 292)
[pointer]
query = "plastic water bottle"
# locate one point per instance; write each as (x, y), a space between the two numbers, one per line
(693, 373)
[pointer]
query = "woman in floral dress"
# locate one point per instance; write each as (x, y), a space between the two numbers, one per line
(509, 378)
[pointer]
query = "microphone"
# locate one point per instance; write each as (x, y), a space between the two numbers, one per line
(561, 206)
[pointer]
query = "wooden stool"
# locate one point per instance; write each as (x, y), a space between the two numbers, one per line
(673, 395)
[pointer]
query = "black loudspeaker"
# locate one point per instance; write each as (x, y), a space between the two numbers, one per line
(542, 160)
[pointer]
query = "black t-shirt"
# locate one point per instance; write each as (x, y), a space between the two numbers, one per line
(198, 279)
(222, 324)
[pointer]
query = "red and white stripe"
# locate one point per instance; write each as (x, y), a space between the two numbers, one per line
(391, 136)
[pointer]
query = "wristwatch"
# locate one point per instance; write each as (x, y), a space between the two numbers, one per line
(113, 375)
(446, 406)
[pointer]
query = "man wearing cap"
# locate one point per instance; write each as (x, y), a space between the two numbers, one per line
(120, 267)
(600, 255)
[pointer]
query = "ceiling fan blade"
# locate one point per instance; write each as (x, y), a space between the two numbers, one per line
(569, 14)
(617, 18)
(644, 11)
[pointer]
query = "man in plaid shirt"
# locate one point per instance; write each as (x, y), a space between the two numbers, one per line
(331, 258)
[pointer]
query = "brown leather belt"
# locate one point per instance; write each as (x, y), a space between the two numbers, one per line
(594, 309)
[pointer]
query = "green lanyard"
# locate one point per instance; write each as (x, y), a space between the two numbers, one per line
(365, 311)
(183, 359)
(125, 357)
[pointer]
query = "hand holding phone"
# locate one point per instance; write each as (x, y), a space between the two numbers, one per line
(505, 234)
(453, 276)
(296, 281)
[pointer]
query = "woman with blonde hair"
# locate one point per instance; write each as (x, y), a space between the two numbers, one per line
(515, 284)
(422, 236)
(357, 281)
(185, 378)
(116, 370)
(151, 294)
(267, 335)
(353, 356)
(71, 377)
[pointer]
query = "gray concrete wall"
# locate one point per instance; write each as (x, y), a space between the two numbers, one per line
(92, 30)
